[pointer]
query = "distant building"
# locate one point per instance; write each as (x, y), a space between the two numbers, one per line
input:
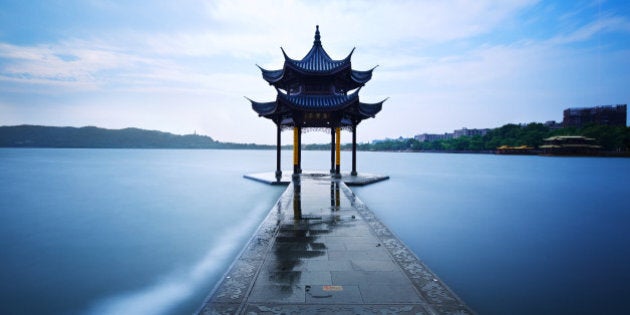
(465, 132)
(570, 145)
(399, 139)
(429, 137)
(610, 115)
(553, 125)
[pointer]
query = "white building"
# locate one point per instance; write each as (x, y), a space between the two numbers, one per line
(465, 132)
(428, 137)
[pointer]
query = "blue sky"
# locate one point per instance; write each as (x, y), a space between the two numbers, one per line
(184, 66)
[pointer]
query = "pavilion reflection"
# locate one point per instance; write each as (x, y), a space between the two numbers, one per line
(335, 198)
(302, 238)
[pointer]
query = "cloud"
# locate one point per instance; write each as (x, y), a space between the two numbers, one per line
(442, 56)
(607, 24)
(373, 22)
(76, 64)
(139, 60)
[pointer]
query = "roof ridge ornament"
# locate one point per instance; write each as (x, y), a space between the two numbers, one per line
(317, 41)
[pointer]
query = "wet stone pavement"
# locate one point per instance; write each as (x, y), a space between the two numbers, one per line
(286, 178)
(320, 250)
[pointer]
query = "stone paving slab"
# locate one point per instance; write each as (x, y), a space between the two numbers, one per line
(321, 250)
(360, 179)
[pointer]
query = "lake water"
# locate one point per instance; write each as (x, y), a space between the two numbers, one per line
(150, 231)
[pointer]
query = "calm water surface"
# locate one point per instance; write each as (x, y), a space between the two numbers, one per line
(122, 231)
(151, 231)
(513, 234)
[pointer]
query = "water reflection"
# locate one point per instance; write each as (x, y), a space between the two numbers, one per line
(301, 238)
(335, 198)
(297, 199)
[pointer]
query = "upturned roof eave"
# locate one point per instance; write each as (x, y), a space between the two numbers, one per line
(369, 110)
(271, 76)
(361, 76)
(263, 108)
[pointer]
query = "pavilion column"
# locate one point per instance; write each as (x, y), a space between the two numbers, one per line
(332, 150)
(296, 147)
(354, 150)
(300, 150)
(338, 152)
(278, 155)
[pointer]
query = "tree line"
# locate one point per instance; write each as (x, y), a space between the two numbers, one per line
(611, 138)
(94, 137)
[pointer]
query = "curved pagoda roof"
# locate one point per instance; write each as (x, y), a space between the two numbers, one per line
(318, 102)
(317, 62)
(349, 105)
(317, 91)
(305, 102)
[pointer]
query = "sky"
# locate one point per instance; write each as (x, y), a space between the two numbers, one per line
(186, 66)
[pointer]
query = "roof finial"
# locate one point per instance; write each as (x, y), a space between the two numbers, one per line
(317, 37)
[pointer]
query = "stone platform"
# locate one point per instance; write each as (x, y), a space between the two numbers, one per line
(361, 179)
(320, 250)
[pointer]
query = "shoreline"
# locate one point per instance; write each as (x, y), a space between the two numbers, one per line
(605, 154)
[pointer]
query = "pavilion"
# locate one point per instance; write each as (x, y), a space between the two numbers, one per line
(317, 93)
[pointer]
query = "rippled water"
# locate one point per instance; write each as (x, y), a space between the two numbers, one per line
(150, 231)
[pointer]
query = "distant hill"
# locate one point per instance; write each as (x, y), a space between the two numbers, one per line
(94, 137)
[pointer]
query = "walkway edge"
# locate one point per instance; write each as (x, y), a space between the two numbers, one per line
(228, 294)
(441, 298)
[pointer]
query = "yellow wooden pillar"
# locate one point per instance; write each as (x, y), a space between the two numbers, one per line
(296, 147)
